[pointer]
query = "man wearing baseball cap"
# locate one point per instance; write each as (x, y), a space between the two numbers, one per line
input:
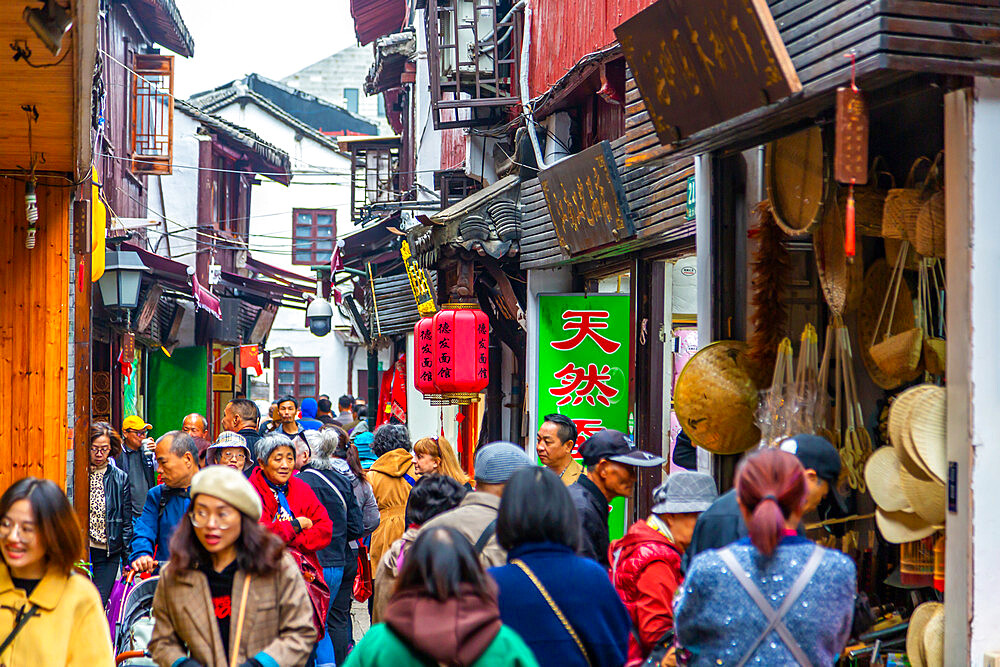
(136, 460)
(722, 523)
(612, 461)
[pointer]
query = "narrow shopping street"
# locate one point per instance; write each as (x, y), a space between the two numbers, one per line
(499, 333)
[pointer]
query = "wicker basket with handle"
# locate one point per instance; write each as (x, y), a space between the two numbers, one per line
(902, 205)
(897, 355)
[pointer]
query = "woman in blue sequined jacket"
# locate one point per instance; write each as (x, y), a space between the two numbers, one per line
(731, 595)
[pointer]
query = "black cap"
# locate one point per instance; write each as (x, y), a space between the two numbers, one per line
(815, 452)
(615, 446)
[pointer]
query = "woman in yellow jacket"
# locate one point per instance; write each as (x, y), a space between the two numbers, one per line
(391, 476)
(49, 614)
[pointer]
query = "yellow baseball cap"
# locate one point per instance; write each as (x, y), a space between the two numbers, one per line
(136, 424)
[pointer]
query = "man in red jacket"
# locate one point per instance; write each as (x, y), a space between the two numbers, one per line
(646, 562)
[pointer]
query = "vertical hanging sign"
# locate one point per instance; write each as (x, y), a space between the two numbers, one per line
(584, 357)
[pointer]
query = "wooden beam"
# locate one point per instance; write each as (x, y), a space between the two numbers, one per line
(82, 384)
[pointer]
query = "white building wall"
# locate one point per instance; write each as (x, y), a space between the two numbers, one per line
(428, 140)
(175, 197)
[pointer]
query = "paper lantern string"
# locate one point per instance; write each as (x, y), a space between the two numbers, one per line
(849, 231)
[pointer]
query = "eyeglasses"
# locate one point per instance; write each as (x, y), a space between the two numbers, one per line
(100, 450)
(140, 431)
(235, 457)
(26, 532)
(224, 520)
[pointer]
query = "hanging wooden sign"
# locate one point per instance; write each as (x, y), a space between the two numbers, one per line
(586, 200)
(698, 63)
(128, 347)
(850, 156)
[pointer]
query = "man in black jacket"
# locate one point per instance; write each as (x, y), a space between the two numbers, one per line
(241, 416)
(611, 461)
(137, 461)
(338, 560)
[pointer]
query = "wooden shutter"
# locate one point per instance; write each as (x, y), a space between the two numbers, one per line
(152, 114)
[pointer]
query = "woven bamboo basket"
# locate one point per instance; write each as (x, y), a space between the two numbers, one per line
(842, 281)
(934, 355)
(796, 175)
(899, 355)
(902, 205)
(929, 237)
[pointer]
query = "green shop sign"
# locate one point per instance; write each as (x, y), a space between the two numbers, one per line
(584, 357)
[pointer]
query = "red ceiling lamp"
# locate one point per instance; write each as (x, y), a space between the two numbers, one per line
(459, 363)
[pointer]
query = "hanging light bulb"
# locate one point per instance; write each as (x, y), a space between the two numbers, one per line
(31, 213)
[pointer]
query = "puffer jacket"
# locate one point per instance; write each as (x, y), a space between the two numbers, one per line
(391, 476)
(646, 571)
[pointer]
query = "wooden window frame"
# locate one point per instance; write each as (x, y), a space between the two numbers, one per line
(151, 102)
(317, 257)
(281, 388)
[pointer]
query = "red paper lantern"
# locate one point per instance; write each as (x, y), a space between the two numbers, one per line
(423, 358)
(459, 361)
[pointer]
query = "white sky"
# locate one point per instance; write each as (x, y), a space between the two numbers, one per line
(237, 37)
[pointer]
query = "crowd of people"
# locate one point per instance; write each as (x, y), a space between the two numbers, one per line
(306, 539)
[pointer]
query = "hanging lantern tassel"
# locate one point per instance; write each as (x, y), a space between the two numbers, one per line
(849, 242)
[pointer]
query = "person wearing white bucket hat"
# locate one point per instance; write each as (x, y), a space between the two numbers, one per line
(646, 562)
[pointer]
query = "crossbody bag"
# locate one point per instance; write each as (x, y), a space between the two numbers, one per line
(552, 605)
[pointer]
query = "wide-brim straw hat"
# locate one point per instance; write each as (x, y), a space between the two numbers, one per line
(928, 432)
(882, 474)
(901, 527)
(934, 639)
(796, 173)
(877, 280)
(716, 398)
(899, 427)
(927, 496)
(916, 633)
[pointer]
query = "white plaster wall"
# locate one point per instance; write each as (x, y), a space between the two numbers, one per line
(428, 140)
(179, 193)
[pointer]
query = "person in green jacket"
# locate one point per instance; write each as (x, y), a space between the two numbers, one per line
(444, 612)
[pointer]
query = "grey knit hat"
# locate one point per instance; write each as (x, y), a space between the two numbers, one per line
(684, 491)
(496, 462)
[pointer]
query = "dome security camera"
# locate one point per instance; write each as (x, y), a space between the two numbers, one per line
(319, 317)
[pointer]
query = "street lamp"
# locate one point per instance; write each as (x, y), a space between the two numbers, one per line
(121, 280)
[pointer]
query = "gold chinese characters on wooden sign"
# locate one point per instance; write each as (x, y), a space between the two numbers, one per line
(418, 282)
(586, 200)
(850, 156)
(698, 63)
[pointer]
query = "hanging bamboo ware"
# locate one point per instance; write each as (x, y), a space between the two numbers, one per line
(882, 474)
(772, 413)
(869, 200)
(932, 271)
(716, 398)
(930, 236)
(796, 174)
(896, 354)
(877, 277)
(902, 205)
(841, 280)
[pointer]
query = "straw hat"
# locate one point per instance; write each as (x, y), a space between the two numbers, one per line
(934, 639)
(882, 474)
(899, 432)
(928, 433)
(926, 495)
(900, 527)
(917, 632)
(716, 398)
(796, 171)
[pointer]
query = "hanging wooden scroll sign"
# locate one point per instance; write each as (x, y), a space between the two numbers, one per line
(850, 156)
(698, 63)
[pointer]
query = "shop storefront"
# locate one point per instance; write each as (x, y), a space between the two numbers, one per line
(881, 310)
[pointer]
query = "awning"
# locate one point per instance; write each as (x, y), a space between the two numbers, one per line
(165, 25)
(487, 221)
(374, 18)
(164, 270)
(459, 210)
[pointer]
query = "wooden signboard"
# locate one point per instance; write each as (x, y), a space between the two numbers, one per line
(586, 200)
(222, 382)
(699, 63)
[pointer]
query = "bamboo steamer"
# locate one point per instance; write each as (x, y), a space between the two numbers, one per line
(876, 278)
(716, 398)
(796, 175)
(841, 280)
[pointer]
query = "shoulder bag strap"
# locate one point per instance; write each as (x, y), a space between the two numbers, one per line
(330, 484)
(409, 479)
(22, 619)
(552, 605)
(234, 654)
(485, 536)
(775, 619)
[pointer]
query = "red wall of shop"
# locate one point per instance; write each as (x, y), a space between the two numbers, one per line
(562, 32)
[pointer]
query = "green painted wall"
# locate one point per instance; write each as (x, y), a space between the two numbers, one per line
(177, 387)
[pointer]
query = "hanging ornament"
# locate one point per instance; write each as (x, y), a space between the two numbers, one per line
(457, 340)
(850, 157)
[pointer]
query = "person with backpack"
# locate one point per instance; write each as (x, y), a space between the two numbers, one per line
(391, 476)
(338, 560)
(476, 516)
(561, 604)
(230, 585)
(50, 614)
(444, 612)
(774, 597)
(431, 496)
(646, 562)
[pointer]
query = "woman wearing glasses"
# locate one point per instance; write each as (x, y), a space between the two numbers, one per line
(110, 526)
(229, 595)
(230, 449)
(49, 614)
